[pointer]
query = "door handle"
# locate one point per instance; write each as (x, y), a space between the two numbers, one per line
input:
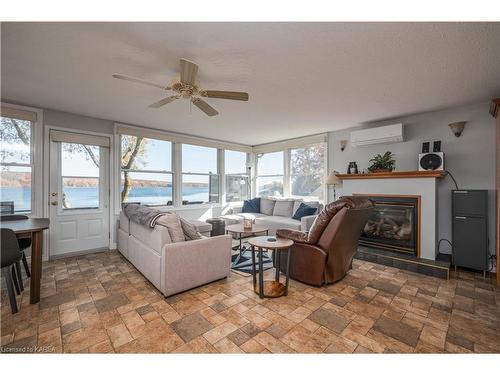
(54, 194)
(53, 203)
(460, 217)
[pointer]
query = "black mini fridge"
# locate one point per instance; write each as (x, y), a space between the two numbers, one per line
(470, 229)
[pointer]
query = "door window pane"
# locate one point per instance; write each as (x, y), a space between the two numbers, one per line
(15, 141)
(147, 188)
(80, 192)
(80, 175)
(270, 186)
(15, 186)
(307, 171)
(198, 189)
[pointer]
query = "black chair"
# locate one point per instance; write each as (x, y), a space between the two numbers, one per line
(24, 243)
(10, 257)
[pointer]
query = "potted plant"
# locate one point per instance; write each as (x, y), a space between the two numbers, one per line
(382, 163)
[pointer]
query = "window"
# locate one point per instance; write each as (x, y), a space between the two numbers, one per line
(80, 175)
(16, 163)
(146, 170)
(236, 176)
(307, 171)
(200, 178)
(270, 174)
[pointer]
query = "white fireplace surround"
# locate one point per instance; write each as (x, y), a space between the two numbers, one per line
(425, 187)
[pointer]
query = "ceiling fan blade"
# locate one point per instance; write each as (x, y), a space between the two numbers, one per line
(204, 106)
(233, 95)
(188, 72)
(141, 81)
(162, 102)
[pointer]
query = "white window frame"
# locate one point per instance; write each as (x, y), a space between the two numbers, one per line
(224, 174)
(286, 147)
(171, 172)
(36, 153)
(218, 174)
(325, 173)
(284, 175)
(177, 141)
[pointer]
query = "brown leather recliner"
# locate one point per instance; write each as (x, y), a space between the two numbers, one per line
(324, 255)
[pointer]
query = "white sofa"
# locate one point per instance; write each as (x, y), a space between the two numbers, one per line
(276, 217)
(174, 267)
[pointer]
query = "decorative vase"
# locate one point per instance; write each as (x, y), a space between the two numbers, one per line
(247, 223)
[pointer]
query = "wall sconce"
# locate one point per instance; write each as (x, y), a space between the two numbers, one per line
(343, 143)
(457, 127)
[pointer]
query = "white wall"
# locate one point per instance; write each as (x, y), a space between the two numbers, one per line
(470, 158)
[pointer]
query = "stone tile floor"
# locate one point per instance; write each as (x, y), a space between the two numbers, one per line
(99, 303)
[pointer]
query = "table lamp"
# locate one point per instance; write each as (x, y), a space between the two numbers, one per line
(332, 179)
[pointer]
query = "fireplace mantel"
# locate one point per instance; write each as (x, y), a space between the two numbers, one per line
(404, 174)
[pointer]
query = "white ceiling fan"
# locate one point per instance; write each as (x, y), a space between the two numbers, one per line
(187, 87)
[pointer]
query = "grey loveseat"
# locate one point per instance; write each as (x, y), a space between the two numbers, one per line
(276, 213)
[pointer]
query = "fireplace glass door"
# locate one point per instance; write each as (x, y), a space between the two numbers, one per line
(393, 225)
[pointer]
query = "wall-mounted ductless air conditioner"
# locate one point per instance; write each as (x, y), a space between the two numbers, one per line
(381, 134)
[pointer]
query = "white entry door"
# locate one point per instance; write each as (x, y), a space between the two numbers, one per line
(79, 193)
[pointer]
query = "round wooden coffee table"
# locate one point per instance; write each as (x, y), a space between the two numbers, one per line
(241, 232)
(270, 288)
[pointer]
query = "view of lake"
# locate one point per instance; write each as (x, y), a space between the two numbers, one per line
(88, 196)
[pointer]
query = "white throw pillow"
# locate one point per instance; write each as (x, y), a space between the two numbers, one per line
(267, 206)
(283, 208)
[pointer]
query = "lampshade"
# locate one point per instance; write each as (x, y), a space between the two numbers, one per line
(457, 127)
(332, 179)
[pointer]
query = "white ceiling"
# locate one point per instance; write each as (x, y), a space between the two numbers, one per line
(303, 78)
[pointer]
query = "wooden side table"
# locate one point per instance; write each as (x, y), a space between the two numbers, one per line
(240, 230)
(270, 288)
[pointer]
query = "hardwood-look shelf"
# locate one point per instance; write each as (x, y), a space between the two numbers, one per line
(404, 174)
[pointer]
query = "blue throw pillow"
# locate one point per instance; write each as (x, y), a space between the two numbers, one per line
(251, 206)
(303, 210)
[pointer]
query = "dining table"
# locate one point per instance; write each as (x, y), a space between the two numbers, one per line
(33, 228)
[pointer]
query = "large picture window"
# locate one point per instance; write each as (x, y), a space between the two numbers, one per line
(146, 170)
(236, 176)
(200, 176)
(270, 174)
(16, 164)
(307, 171)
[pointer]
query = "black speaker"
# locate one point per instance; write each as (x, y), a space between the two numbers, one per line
(431, 161)
(425, 147)
(436, 146)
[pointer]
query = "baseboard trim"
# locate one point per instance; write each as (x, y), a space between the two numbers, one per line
(79, 253)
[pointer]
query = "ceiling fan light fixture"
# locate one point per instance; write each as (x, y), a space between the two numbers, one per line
(187, 87)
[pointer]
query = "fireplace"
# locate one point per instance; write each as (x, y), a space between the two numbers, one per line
(394, 224)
